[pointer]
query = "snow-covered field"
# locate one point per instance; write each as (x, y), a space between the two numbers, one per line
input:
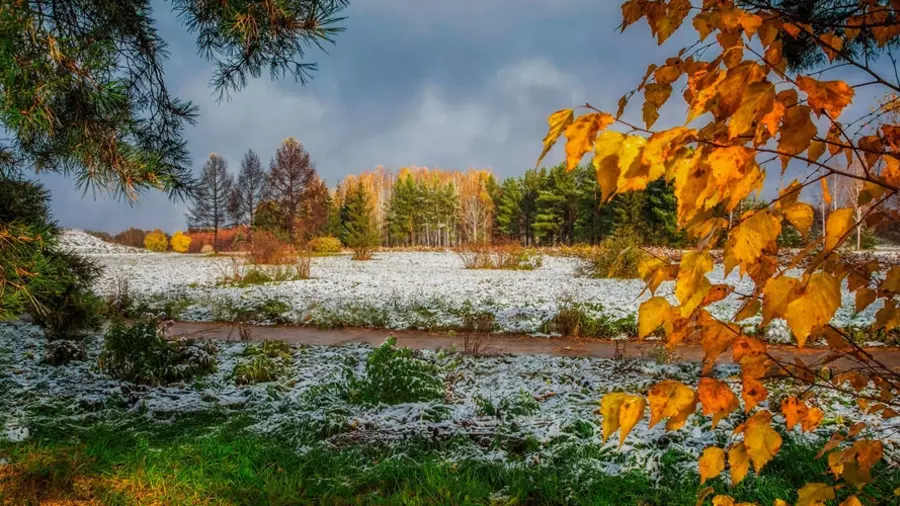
(396, 290)
(564, 393)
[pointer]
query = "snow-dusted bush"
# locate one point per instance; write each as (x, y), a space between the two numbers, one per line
(141, 353)
(396, 376)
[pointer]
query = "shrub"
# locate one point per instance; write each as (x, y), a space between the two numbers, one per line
(617, 256)
(266, 248)
(508, 407)
(228, 239)
(396, 376)
(63, 351)
(510, 256)
(181, 243)
(268, 362)
(156, 241)
(326, 244)
(141, 353)
(580, 319)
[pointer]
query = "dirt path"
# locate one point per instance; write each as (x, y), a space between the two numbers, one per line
(495, 343)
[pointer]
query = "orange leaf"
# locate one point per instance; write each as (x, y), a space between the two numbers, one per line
(797, 131)
(756, 101)
(580, 136)
(673, 400)
(716, 398)
(750, 238)
(655, 95)
(795, 411)
(558, 122)
(606, 162)
(826, 96)
(813, 305)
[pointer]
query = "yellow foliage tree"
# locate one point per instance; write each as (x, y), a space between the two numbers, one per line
(180, 243)
(156, 241)
(746, 113)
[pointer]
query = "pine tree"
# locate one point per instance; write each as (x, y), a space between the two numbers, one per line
(290, 176)
(510, 216)
(249, 190)
(360, 229)
(210, 202)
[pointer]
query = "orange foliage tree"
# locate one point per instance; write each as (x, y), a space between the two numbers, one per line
(747, 113)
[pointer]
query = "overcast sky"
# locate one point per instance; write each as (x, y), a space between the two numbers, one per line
(466, 83)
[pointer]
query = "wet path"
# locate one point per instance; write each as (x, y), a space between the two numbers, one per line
(494, 343)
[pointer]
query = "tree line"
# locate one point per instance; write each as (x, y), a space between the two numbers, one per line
(418, 206)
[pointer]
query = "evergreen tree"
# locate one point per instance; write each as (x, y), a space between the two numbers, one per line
(554, 220)
(360, 229)
(210, 201)
(510, 216)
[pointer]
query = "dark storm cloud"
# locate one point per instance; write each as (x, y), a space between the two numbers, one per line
(459, 84)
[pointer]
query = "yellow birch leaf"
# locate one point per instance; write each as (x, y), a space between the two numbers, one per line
(652, 313)
(630, 414)
(748, 240)
(760, 439)
(800, 215)
(712, 463)
(580, 136)
(558, 121)
(831, 44)
(777, 293)
(816, 150)
(756, 101)
(606, 162)
(813, 305)
(837, 226)
(620, 412)
(609, 410)
(739, 460)
(814, 494)
(692, 285)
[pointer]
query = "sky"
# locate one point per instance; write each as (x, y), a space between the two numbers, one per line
(453, 85)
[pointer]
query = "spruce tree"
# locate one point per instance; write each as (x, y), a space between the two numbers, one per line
(360, 230)
(211, 199)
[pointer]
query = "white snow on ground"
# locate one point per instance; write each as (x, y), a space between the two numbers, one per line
(569, 389)
(400, 290)
(86, 244)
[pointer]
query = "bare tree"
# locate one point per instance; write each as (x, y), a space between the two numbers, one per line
(847, 191)
(209, 209)
(249, 190)
(291, 174)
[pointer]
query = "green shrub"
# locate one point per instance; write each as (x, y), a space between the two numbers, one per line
(617, 256)
(268, 361)
(141, 353)
(507, 407)
(581, 319)
(325, 244)
(259, 369)
(397, 375)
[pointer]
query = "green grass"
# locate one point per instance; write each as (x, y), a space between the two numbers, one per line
(210, 458)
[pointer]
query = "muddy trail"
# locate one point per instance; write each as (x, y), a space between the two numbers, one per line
(494, 344)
